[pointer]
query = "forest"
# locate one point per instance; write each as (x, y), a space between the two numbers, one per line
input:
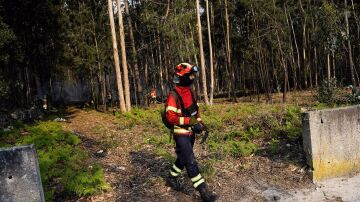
(86, 82)
(242, 47)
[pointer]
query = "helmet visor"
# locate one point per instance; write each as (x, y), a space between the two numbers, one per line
(194, 69)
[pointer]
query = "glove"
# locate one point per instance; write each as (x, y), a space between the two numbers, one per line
(193, 121)
(198, 128)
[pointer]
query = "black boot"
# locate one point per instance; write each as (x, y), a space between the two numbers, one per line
(206, 194)
(174, 182)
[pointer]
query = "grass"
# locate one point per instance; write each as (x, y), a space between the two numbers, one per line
(137, 116)
(237, 130)
(62, 162)
(208, 169)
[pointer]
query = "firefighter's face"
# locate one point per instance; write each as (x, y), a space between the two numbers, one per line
(192, 76)
(187, 79)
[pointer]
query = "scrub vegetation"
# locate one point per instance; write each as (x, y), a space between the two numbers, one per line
(126, 156)
(65, 167)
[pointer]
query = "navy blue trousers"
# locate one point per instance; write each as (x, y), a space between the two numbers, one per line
(185, 154)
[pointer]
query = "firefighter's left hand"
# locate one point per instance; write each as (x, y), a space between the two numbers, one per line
(198, 128)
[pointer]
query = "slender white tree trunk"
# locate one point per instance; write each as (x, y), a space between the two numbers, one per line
(134, 58)
(202, 59)
(123, 57)
(116, 58)
(211, 55)
(349, 46)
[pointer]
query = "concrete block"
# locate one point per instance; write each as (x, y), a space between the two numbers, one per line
(20, 175)
(331, 140)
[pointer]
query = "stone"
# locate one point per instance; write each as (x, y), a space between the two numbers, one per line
(60, 120)
(276, 198)
(20, 175)
(331, 141)
(100, 153)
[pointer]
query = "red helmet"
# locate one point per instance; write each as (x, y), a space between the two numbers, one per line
(185, 68)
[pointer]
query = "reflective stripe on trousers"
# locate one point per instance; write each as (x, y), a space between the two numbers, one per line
(186, 159)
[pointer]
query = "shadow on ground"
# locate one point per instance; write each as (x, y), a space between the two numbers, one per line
(147, 180)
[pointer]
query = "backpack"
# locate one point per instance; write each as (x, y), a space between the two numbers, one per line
(177, 98)
(163, 113)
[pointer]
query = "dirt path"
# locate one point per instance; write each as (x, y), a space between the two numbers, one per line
(136, 173)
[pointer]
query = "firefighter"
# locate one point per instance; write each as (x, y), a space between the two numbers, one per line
(153, 96)
(183, 114)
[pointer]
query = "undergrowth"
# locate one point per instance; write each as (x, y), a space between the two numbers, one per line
(64, 166)
(147, 117)
(236, 131)
(331, 94)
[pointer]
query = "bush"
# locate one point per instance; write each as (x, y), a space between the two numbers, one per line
(235, 144)
(61, 160)
(149, 117)
(239, 148)
(274, 146)
(207, 169)
(330, 92)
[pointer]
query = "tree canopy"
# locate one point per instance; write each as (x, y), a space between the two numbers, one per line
(274, 46)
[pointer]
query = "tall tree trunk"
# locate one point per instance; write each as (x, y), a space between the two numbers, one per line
(92, 84)
(169, 64)
(27, 86)
(267, 77)
(316, 67)
(304, 45)
(134, 58)
(356, 65)
(146, 72)
(283, 63)
(211, 55)
(228, 54)
(328, 67)
(296, 48)
(100, 73)
(160, 67)
(202, 59)
(333, 64)
(197, 85)
(123, 57)
(116, 58)
(349, 46)
(215, 61)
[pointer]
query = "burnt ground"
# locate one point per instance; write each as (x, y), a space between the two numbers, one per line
(136, 173)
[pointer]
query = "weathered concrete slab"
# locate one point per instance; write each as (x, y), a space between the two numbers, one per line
(19, 175)
(331, 140)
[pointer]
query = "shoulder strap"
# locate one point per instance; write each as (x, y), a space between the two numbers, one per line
(193, 96)
(175, 95)
(178, 97)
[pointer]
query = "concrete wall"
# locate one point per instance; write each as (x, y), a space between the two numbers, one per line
(331, 140)
(19, 175)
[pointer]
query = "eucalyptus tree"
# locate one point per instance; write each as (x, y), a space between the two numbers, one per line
(202, 59)
(211, 62)
(351, 62)
(123, 57)
(116, 58)
(139, 87)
